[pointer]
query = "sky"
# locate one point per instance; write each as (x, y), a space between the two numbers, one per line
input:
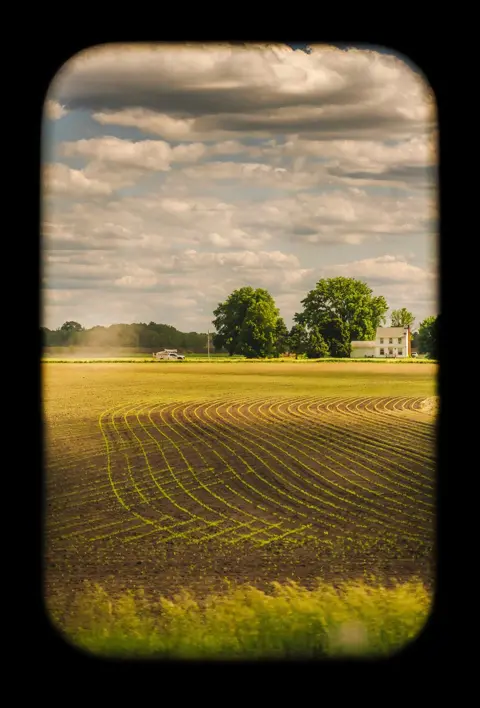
(175, 174)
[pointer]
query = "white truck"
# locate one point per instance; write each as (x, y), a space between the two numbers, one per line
(169, 354)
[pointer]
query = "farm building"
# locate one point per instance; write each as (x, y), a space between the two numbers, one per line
(389, 342)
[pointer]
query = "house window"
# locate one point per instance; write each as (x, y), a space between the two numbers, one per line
(400, 351)
(390, 351)
(382, 351)
(399, 340)
(390, 341)
(381, 340)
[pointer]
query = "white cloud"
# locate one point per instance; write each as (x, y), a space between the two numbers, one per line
(261, 166)
(58, 297)
(230, 147)
(367, 154)
(189, 92)
(383, 269)
(124, 160)
(251, 172)
(137, 282)
(148, 121)
(176, 222)
(238, 238)
(143, 155)
(188, 153)
(63, 180)
(343, 216)
(236, 260)
(183, 303)
(54, 110)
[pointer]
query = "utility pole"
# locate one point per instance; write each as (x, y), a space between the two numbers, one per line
(208, 344)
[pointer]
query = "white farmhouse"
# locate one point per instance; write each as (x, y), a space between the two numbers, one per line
(389, 342)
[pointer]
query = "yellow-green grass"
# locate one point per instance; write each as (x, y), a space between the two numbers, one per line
(289, 621)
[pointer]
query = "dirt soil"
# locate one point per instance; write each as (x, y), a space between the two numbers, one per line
(193, 495)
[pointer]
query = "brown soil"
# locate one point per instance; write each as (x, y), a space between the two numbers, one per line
(186, 496)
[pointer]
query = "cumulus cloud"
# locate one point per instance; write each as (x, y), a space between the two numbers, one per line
(54, 110)
(133, 245)
(63, 180)
(252, 173)
(155, 155)
(187, 91)
(154, 243)
(258, 166)
(382, 270)
(113, 164)
(367, 154)
(149, 122)
(238, 238)
(292, 166)
(236, 260)
(177, 222)
(350, 216)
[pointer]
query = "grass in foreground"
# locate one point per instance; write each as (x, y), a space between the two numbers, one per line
(246, 623)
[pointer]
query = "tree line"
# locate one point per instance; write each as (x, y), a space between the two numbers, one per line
(335, 313)
(142, 336)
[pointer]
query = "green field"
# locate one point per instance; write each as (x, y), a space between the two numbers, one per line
(193, 476)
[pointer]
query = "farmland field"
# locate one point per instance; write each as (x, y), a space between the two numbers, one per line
(183, 476)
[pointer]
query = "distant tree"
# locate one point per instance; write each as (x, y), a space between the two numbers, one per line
(402, 318)
(138, 335)
(150, 339)
(316, 348)
(342, 309)
(70, 333)
(245, 323)
(71, 327)
(282, 343)
(428, 337)
(298, 340)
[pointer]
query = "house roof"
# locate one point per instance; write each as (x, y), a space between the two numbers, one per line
(390, 331)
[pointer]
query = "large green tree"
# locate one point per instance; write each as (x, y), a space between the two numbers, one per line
(343, 310)
(428, 337)
(246, 323)
(402, 318)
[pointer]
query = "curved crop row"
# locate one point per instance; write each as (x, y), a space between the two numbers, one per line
(236, 470)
